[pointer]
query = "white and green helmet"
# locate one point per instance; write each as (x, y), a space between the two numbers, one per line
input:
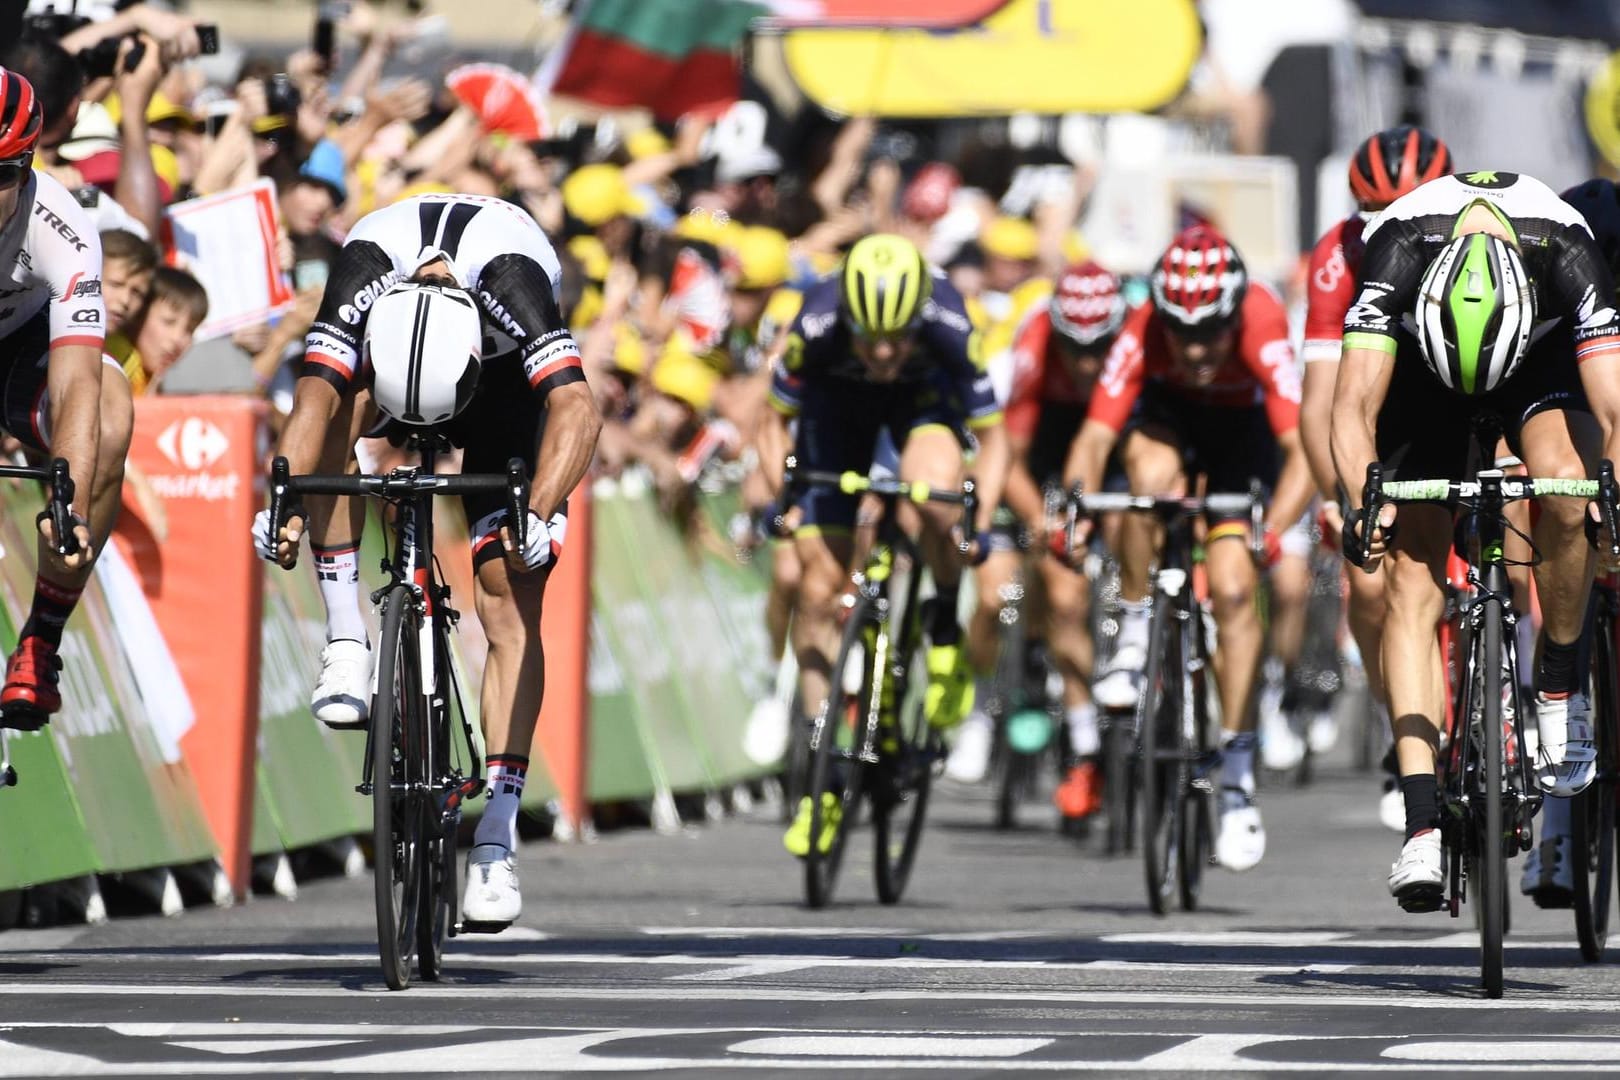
(1475, 310)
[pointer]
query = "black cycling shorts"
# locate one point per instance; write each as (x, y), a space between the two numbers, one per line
(25, 357)
(1230, 447)
(1425, 431)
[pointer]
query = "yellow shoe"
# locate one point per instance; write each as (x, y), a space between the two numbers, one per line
(949, 697)
(797, 837)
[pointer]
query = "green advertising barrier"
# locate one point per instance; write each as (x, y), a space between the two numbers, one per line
(306, 772)
(678, 655)
(99, 789)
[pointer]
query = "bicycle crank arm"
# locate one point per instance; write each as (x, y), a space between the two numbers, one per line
(467, 926)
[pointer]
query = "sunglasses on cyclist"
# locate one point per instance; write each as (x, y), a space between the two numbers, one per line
(14, 171)
(1206, 334)
(896, 337)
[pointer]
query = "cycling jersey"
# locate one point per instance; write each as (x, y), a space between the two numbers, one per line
(495, 251)
(1260, 371)
(1039, 375)
(1571, 283)
(1330, 286)
(50, 262)
(945, 358)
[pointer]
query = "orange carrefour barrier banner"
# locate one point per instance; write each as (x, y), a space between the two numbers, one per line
(205, 587)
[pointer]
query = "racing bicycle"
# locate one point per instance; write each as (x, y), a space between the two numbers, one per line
(870, 739)
(411, 769)
(1488, 792)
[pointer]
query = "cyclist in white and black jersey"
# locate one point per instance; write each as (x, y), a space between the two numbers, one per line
(56, 395)
(1479, 293)
(441, 310)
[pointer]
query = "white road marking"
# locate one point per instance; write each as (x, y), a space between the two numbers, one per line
(258, 1046)
(1340, 938)
(887, 1046)
(1584, 1051)
(1211, 998)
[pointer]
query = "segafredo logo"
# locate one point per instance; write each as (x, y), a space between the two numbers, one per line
(193, 443)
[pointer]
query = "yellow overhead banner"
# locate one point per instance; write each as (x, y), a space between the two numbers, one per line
(1603, 110)
(1039, 56)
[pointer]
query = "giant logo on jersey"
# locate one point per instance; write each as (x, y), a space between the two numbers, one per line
(365, 296)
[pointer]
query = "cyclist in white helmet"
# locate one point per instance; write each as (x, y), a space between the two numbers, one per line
(441, 310)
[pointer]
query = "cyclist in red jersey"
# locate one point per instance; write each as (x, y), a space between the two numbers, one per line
(1202, 378)
(1054, 362)
(1387, 165)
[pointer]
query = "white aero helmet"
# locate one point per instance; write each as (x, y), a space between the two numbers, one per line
(423, 346)
(1475, 310)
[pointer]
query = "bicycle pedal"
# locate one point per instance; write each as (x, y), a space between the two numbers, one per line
(1421, 900)
(467, 926)
(8, 778)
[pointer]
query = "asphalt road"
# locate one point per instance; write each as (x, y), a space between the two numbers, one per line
(690, 953)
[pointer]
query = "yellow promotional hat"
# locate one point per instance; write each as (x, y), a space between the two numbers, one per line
(593, 257)
(1009, 238)
(598, 193)
(684, 377)
(645, 143)
(762, 257)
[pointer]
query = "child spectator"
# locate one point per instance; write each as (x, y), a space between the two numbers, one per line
(127, 264)
(162, 333)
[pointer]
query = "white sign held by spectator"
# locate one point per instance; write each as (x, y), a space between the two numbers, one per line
(229, 242)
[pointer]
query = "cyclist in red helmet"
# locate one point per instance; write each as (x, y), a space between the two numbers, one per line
(1388, 164)
(1046, 377)
(56, 395)
(1202, 381)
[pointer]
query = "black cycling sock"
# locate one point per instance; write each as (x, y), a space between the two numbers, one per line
(1557, 674)
(1422, 795)
(943, 629)
(52, 606)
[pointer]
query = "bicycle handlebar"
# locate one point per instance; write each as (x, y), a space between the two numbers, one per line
(795, 479)
(401, 484)
(58, 505)
(1166, 506)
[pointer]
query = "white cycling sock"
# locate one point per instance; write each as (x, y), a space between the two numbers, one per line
(507, 774)
(1133, 623)
(338, 570)
(1083, 736)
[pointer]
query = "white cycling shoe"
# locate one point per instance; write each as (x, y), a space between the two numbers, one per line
(1120, 686)
(1322, 733)
(343, 694)
(1392, 807)
(970, 757)
(1281, 748)
(1241, 843)
(1566, 758)
(1549, 873)
(1416, 879)
(492, 898)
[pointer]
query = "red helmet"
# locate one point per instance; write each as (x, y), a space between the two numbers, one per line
(20, 116)
(1087, 306)
(1394, 162)
(1200, 280)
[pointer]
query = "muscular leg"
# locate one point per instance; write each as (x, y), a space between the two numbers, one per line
(1290, 594)
(785, 573)
(1232, 583)
(932, 456)
(991, 579)
(1563, 445)
(823, 558)
(1414, 575)
(1367, 614)
(1153, 466)
(1068, 600)
(336, 520)
(514, 671)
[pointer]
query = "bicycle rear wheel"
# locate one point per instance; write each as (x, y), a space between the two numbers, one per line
(1492, 885)
(836, 767)
(1159, 721)
(1592, 816)
(437, 913)
(397, 755)
(1197, 838)
(1119, 781)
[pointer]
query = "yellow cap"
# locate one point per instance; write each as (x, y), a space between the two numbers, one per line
(629, 351)
(716, 229)
(646, 142)
(593, 257)
(1075, 248)
(1009, 238)
(762, 257)
(686, 378)
(167, 166)
(160, 108)
(598, 193)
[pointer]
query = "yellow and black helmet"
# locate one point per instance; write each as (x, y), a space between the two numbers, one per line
(884, 284)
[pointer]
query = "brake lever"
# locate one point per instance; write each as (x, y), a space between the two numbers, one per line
(1607, 495)
(61, 509)
(1371, 496)
(970, 516)
(517, 502)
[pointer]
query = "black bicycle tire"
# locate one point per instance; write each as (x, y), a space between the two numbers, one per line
(1118, 747)
(1592, 815)
(1196, 822)
(821, 869)
(1159, 800)
(391, 724)
(910, 778)
(437, 910)
(1491, 888)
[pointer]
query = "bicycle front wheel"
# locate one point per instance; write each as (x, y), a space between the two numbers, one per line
(397, 756)
(1158, 719)
(1492, 886)
(1592, 816)
(837, 771)
(437, 911)
(900, 799)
